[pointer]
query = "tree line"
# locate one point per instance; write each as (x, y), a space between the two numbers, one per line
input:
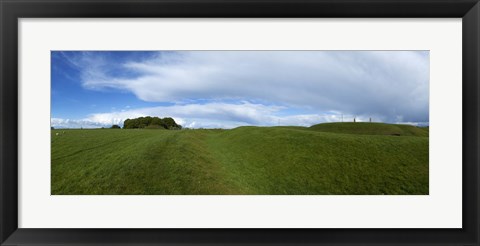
(151, 123)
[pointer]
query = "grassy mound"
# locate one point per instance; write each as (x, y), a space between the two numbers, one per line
(279, 160)
(365, 128)
(245, 160)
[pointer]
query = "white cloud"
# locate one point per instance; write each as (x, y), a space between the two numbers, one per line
(69, 123)
(392, 85)
(211, 115)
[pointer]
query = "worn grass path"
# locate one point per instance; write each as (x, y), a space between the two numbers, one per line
(245, 160)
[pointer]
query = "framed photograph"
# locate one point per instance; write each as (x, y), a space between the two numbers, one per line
(239, 122)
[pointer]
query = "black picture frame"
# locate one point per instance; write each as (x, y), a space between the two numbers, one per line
(12, 10)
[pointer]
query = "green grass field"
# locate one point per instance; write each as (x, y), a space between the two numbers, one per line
(333, 158)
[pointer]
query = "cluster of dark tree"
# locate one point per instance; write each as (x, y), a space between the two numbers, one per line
(151, 122)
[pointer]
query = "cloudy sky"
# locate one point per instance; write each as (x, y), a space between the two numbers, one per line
(226, 89)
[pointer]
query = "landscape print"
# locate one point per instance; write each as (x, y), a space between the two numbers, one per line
(240, 122)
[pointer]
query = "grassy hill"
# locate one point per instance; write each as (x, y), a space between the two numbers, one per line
(371, 129)
(332, 158)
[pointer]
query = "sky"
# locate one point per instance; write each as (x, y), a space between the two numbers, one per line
(227, 89)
